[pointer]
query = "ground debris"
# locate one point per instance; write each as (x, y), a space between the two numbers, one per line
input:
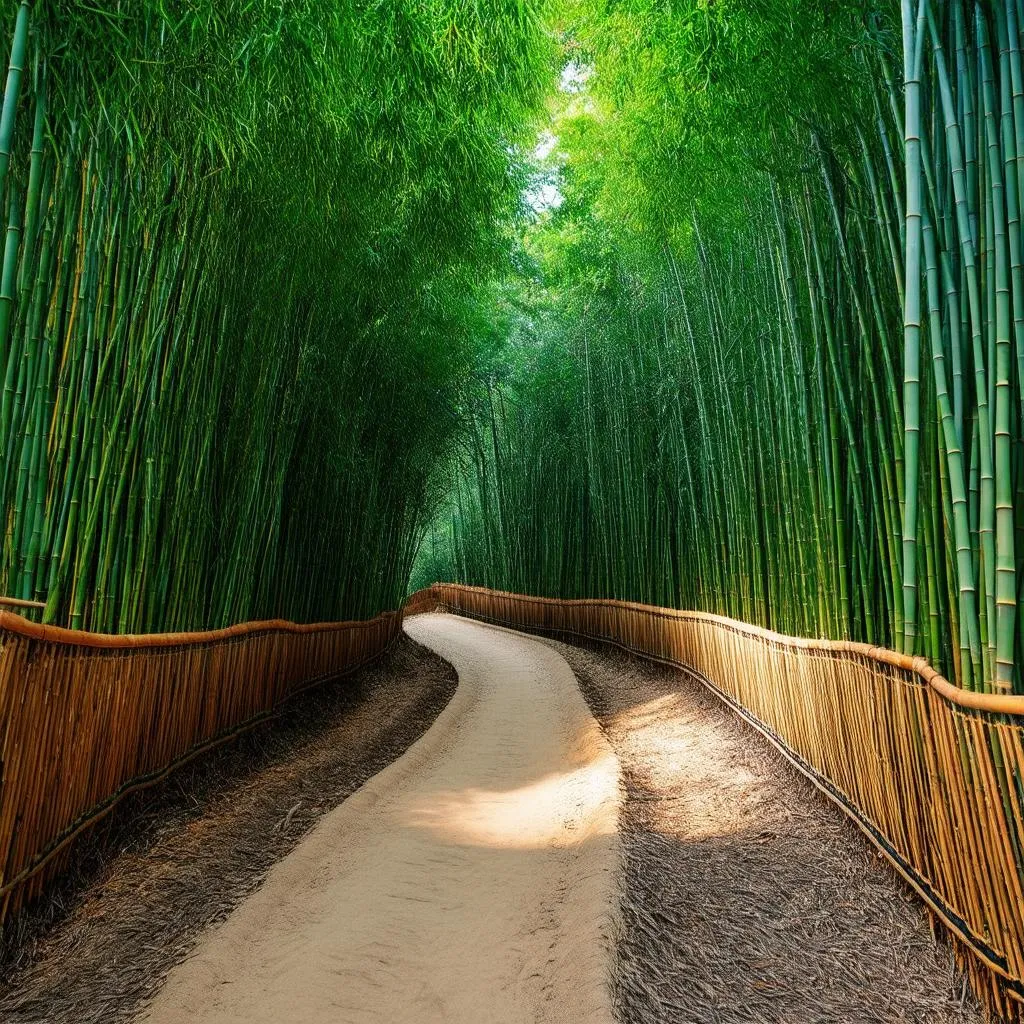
(746, 895)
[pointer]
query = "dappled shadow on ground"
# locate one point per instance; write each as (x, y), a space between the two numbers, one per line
(746, 896)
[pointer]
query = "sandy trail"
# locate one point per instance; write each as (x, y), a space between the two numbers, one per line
(473, 880)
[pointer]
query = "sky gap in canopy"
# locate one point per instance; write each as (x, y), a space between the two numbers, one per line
(766, 356)
(238, 293)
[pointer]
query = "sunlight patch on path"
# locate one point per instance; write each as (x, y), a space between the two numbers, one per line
(557, 811)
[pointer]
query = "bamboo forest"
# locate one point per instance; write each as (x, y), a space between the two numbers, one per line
(758, 360)
(766, 361)
(693, 328)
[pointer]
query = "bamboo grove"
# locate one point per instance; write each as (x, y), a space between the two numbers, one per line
(762, 354)
(238, 291)
(766, 358)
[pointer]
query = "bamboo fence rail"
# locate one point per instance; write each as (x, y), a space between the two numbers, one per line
(933, 774)
(86, 718)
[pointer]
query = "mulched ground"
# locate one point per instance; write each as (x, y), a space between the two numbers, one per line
(172, 862)
(747, 896)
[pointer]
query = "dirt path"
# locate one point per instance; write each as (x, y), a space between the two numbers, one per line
(475, 879)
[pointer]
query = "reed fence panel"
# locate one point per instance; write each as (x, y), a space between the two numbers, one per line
(87, 718)
(933, 774)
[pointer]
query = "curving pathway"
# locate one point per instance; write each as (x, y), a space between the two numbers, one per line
(473, 880)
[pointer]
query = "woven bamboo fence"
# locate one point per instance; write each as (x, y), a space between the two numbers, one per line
(934, 775)
(86, 719)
